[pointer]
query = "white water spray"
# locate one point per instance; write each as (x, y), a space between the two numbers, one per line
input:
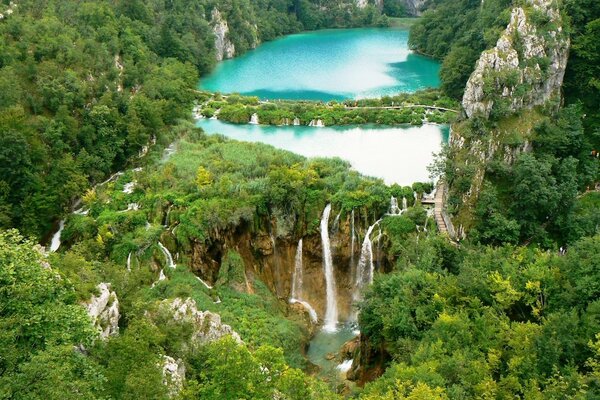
(365, 268)
(297, 292)
(298, 272)
(331, 312)
(167, 254)
(161, 277)
(129, 262)
(345, 366)
(204, 283)
(394, 209)
(55, 243)
(254, 119)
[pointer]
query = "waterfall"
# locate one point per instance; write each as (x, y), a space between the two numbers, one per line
(129, 262)
(336, 223)
(394, 209)
(129, 187)
(167, 254)
(345, 366)
(297, 277)
(204, 283)
(168, 152)
(55, 243)
(254, 119)
(404, 204)
(311, 311)
(296, 122)
(161, 277)
(297, 293)
(331, 312)
(365, 267)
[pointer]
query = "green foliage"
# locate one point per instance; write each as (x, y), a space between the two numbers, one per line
(499, 322)
(239, 109)
(227, 370)
(457, 32)
(40, 323)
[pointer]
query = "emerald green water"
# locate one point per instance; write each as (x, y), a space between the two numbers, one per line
(327, 344)
(327, 65)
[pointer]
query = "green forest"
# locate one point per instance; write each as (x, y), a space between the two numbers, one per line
(171, 276)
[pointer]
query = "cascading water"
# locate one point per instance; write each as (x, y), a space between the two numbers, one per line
(394, 209)
(352, 239)
(344, 366)
(297, 277)
(316, 123)
(297, 293)
(365, 268)
(161, 277)
(129, 262)
(204, 283)
(331, 312)
(168, 255)
(336, 223)
(404, 204)
(254, 119)
(55, 243)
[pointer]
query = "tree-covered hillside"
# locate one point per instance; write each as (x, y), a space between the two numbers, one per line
(87, 85)
(175, 278)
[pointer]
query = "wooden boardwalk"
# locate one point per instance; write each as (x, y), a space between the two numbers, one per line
(438, 208)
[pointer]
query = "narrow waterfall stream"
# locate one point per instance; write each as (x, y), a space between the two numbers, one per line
(168, 255)
(297, 277)
(366, 267)
(331, 311)
(297, 293)
(55, 243)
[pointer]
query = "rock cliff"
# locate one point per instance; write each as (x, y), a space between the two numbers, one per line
(103, 309)
(525, 68)
(207, 326)
(223, 46)
(173, 372)
(412, 7)
(269, 254)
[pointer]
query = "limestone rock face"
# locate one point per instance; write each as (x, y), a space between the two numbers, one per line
(413, 7)
(223, 46)
(525, 68)
(104, 311)
(207, 325)
(173, 373)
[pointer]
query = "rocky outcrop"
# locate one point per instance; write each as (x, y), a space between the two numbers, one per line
(412, 7)
(103, 309)
(223, 46)
(207, 325)
(173, 373)
(525, 68)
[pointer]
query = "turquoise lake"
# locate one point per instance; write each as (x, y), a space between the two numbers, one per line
(398, 154)
(327, 65)
(337, 64)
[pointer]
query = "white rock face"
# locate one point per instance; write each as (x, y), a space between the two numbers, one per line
(173, 373)
(412, 7)
(208, 325)
(224, 46)
(516, 65)
(104, 311)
